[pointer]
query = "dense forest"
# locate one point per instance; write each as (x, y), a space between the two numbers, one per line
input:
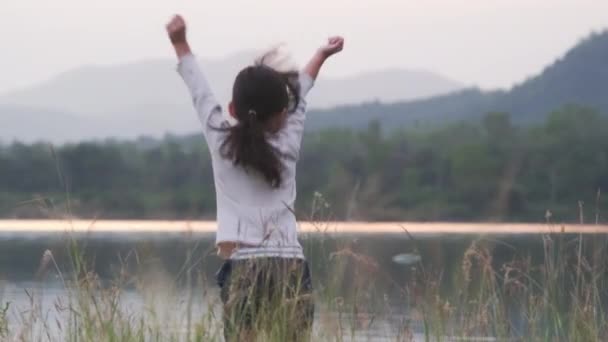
(492, 169)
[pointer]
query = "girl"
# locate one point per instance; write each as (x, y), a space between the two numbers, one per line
(265, 281)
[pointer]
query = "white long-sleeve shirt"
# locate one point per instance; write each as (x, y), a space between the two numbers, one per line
(249, 210)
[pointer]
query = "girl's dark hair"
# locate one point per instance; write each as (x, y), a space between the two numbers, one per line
(259, 93)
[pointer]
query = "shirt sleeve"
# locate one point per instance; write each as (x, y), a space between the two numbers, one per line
(207, 107)
(295, 122)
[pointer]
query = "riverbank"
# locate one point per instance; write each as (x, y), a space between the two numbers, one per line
(125, 226)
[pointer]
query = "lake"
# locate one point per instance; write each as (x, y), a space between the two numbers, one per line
(170, 265)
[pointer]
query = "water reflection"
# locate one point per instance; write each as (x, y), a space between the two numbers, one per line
(384, 272)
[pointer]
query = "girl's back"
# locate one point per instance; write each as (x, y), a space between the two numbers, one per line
(265, 283)
(250, 210)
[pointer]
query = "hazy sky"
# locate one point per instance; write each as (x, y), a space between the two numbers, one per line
(491, 43)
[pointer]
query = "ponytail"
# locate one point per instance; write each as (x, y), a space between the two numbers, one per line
(260, 92)
(247, 146)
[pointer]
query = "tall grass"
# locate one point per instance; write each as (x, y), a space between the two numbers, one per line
(560, 296)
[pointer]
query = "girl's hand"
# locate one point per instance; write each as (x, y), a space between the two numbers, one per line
(333, 46)
(176, 28)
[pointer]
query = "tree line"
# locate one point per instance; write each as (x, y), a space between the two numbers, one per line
(490, 170)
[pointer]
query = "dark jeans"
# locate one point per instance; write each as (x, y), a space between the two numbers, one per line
(271, 296)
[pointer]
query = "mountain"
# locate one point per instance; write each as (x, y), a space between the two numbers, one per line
(28, 125)
(580, 77)
(148, 98)
(468, 104)
(387, 86)
(113, 91)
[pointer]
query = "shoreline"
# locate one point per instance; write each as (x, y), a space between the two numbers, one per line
(167, 226)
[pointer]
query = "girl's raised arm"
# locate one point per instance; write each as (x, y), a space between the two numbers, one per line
(308, 75)
(207, 107)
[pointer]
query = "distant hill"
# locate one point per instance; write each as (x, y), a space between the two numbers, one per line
(464, 105)
(148, 98)
(387, 86)
(580, 77)
(29, 125)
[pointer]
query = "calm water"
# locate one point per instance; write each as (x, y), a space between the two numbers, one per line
(176, 253)
(170, 312)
